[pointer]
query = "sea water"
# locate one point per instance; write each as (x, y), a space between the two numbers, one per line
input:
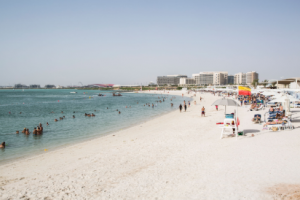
(21, 109)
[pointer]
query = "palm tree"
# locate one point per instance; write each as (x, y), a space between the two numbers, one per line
(265, 82)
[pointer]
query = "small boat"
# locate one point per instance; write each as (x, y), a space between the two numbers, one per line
(117, 95)
(73, 92)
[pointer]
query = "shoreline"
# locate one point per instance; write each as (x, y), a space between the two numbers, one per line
(174, 156)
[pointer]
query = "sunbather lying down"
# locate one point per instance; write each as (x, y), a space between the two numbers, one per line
(275, 122)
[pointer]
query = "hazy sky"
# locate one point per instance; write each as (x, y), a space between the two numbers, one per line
(129, 42)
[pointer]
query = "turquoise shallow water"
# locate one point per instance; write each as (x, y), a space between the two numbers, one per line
(36, 107)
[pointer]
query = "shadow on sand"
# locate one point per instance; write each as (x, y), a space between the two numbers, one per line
(246, 131)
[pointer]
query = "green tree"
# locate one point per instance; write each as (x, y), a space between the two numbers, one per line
(265, 82)
(254, 83)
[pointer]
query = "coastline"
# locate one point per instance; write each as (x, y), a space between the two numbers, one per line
(173, 156)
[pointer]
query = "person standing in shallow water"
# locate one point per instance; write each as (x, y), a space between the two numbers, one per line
(2, 146)
(180, 107)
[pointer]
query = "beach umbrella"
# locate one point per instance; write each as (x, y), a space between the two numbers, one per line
(226, 102)
(269, 93)
(283, 99)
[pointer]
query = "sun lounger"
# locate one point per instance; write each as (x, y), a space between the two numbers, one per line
(287, 125)
(260, 107)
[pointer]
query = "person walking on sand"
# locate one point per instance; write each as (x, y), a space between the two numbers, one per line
(216, 107)
(180, 107)
(203, 112)
(184, 107)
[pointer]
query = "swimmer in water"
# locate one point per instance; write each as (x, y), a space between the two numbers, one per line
(17, 132)
(34, 131)
(27, 132)
(24, 130)
(20, 112)
(73, 116)
(47, 124)
(119, 112)
(93, 115)
(55, 120)
(107, 108)
(38, 131)
(62, 111)
(2, 146)
(63, 116)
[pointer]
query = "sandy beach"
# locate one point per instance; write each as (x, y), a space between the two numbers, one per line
(174, 156)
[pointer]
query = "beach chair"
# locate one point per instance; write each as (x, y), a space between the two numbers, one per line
(280, 127)
(260, 107)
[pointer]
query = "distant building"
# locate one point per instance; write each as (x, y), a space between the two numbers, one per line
(211, 78)
(20, 86)
(187, 81)
(240, 78)
(50, 86)
(251, 76)
(169, 79)
(34, 86)
(152, 84)
(100, 85)
(230, 79)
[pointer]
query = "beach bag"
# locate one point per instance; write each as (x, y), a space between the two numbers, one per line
(274, 128)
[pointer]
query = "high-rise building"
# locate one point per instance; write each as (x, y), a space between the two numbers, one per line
(230, 79)
(187, 81)
(211, 78)
(251, 76)
(169, 79)
(240, 78)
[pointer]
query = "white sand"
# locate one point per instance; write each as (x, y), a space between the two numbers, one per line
(175, 156)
